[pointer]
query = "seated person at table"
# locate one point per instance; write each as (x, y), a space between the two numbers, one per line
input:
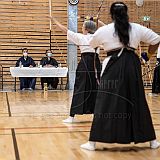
(48, 61)
(26, 61)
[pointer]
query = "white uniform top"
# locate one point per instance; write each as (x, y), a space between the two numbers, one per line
(106, 37)
(81, 40)
(158, 52)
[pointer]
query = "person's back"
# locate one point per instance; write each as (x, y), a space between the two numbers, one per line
(87, 72)
(121, 112)
(81, 40)
(106, 35)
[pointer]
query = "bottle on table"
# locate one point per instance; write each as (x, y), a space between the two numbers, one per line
(20, 64)
(38, 65)
(45, 87)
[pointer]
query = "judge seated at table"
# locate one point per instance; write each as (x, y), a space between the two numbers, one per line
(26, 61)
(48, 61)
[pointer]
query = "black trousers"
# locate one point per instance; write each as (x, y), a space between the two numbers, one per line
(53, 81)
(85, 87)
(156, 79)
(27, 82)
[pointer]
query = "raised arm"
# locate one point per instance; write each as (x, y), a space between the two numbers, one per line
(60, 26)
(71, 36)
(101, 24)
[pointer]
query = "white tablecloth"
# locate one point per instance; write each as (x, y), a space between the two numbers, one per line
(39, 72)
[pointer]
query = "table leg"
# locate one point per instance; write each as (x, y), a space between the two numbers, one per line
(2, 78)
(15, 84)
(61, 85)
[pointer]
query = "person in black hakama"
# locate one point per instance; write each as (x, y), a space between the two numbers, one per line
(48, 61)
(26, 61)
(121, 113)
(156, 77)
(87, 72)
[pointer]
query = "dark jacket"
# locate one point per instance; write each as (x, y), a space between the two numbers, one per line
(25, 62)
(45, 61)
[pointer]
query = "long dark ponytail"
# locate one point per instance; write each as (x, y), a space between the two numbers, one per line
(120, 17)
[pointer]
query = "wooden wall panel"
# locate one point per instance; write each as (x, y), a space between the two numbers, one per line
(25, 23)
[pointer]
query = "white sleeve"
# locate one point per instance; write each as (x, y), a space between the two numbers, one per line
(158, 52)
(95, 41)
(74, 37)
(148, 36)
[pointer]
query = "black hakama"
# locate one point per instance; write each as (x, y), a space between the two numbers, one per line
(85, 87)
(121, 111)
(156, 80)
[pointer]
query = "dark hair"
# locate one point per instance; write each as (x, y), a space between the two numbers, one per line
(48, 50)
(24, 49)
(120, 17)
(90, 26)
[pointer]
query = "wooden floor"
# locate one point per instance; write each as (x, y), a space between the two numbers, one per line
(31, 128)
